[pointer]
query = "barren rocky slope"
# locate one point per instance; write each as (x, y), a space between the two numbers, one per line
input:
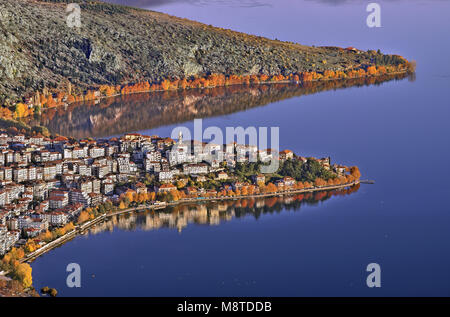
(117, 44)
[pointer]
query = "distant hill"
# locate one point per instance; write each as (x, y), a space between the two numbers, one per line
(118, 44)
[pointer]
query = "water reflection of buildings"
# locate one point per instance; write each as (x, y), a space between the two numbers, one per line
(213, 213)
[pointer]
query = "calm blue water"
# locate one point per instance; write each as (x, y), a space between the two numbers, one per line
(397, 133)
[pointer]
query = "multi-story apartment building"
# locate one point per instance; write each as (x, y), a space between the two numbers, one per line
(78, 196)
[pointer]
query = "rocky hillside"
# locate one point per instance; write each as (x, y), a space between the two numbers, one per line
(117, 45)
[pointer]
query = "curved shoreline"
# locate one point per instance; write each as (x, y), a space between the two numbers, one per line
(232, 84)
(289, 81)
(87, 225)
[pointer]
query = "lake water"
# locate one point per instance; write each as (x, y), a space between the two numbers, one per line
(396, 132)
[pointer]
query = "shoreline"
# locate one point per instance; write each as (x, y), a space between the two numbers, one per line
(81, 228)
(300, 83)
(272, 82)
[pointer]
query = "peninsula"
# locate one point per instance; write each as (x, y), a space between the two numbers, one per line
(52, 185)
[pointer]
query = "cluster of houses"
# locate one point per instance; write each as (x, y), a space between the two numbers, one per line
(47, 182)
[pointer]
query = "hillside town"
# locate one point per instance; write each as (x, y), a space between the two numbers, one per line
(47, 182)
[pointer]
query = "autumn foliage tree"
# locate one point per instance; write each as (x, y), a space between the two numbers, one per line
(271, 188)
(319, 182)
(23, 274)
(354, 171)
(45, 99)
(5, 113)
(122, 205)
(83, 217)
(21, 110)
(45, 236)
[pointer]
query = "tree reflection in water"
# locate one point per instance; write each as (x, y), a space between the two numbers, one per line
(122, 114)
(213, 213)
